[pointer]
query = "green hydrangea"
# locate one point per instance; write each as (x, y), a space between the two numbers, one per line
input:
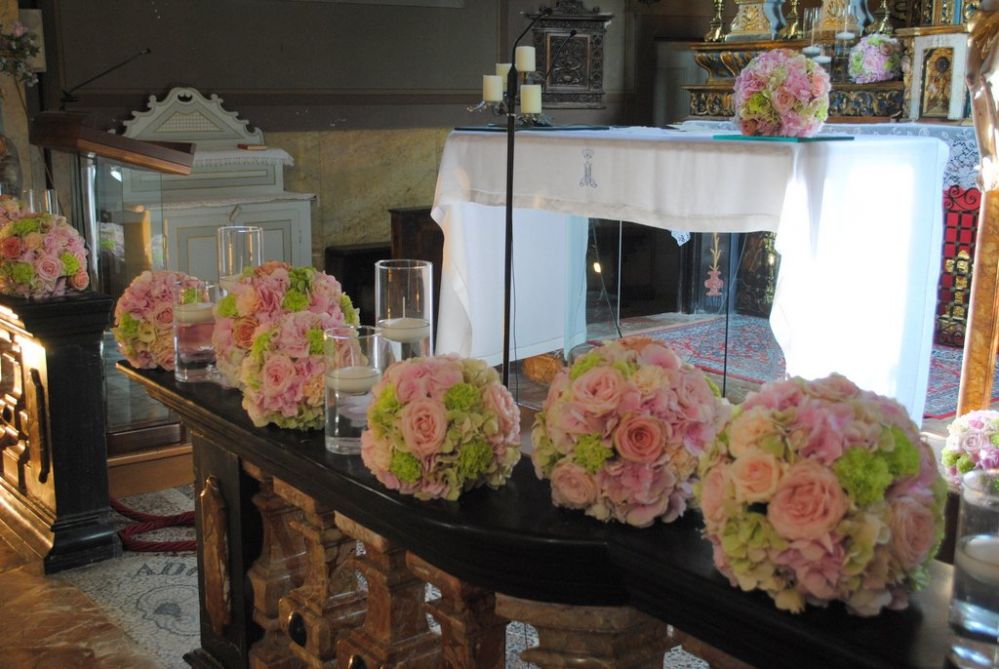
(474, 459)
(128, 327)
(903, 459)
(227, 307)
(715, 390)
(189, 295)
(462, 397)
(300, 278)
(949, 458)
(383, 410)
(260, 344)
(626, 368)
(590, 453)
(545, 455)
(350, 312)
(964, 463)
(405, 466)
(295, 300)
(70, 263)
(584, 364)
(747, 540)
(315, 338)
(863, 475)
(22, 272)
(25, 225)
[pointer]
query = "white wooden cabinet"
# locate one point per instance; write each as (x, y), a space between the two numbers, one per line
(228, 185)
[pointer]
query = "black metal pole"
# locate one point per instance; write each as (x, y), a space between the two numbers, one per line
(511, 123)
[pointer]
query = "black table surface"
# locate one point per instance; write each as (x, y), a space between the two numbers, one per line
(514, 541)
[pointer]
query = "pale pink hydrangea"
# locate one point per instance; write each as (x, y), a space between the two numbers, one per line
(818, 491)
(633, 418)
(143, 318)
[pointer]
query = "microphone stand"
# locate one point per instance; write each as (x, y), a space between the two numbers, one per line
(511, 126)
(68, 97)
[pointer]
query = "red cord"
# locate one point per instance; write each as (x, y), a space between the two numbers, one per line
(148, 522)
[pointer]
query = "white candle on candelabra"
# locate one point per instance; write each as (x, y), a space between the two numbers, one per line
(530, 98)
(404, 330)
(525, 59)
(492, 88)
(503, 69)
(354, 380)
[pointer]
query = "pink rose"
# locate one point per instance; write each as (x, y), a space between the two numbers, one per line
(913, 530)
(599, 391)
(499, 400)
(80, 280)
(48, 267)
(640, 438)
(278, 374)
(412, 383)
(11, 247)
(713, 495)
(809, 502)
(424, 425)
(572, 487)
(162, 316)
(242, 331)
(755, 476)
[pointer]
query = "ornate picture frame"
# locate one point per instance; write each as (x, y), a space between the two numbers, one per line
(937, 89)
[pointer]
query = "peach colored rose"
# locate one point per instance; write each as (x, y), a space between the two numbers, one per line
(11, 247)
(598, 391)
(246, 299)
(755, 475)
(912, 531)
(33, 241)
(242, 331)
(424, 424)
(572, 487)
(649, 379)
(376, 453)
(277, 374)
(748, 428)
(80, 280)
(809, 502)
(640, 438)
(713, 495)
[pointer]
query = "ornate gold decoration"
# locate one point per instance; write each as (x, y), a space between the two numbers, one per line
(831, 20)
(750, 21)
(793, 28)
(716, 29)
(215, 561)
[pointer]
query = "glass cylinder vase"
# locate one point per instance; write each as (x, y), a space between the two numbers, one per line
(355, 360)
(239, 247)
(404, 310)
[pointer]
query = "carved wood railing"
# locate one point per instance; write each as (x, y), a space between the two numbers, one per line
(600, 595)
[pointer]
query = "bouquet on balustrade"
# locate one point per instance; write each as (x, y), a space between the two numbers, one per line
(264, 294)
(41, 255)
(819, 491)
(875, 58)
(621, 431)
(283, 374)
(781, 92)
(972, 443)
(441, 426)
(143, 318)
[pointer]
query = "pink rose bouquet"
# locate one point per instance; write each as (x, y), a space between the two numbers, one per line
(41, 255)
(621, 430)
(143, 318)
(440, 426)
(283, 375)
(972, 443)
(819, 491)
(263, 295)
(875, 58)
(781, 92)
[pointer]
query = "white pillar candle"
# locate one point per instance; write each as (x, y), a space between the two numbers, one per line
(492, 88)
(503, 72)
(530, 98)
(525, 59)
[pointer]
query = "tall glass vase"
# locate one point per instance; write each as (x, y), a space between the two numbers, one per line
(404, 310)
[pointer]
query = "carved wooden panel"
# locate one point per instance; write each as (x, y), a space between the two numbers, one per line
(572, 66)
(215, 545)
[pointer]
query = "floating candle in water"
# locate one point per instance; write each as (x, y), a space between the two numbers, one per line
(355, 380)
(978, 557)
(199, 312)
(405, 330)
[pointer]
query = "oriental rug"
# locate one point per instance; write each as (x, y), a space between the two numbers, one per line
(755, 357)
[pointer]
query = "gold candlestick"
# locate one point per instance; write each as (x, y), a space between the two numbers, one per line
(793, 28)
(716, 29)
(884, 25)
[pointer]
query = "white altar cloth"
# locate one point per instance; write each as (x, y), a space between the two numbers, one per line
(859, 228)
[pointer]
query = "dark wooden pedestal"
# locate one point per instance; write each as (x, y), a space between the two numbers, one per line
(53, 457)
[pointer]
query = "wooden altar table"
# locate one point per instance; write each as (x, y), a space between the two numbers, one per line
(277, 516)
(858, 225)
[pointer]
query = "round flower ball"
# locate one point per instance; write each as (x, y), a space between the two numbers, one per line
(621, 431)
(264, 294)
(818, 491)
(143, 318)
(441, 426)
(283, 374)
(41, 255)
(972, 443)
(875, 58)
(781, 92)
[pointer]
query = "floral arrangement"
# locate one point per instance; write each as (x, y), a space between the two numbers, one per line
(819, 491)
(621, 431)
(143, 318)
(10, 209)
(16, 47)
(781, 92)
(972, 443)
(440, 426)
(875, 58)
(264, 294)
(41, 255)
(283, 375)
